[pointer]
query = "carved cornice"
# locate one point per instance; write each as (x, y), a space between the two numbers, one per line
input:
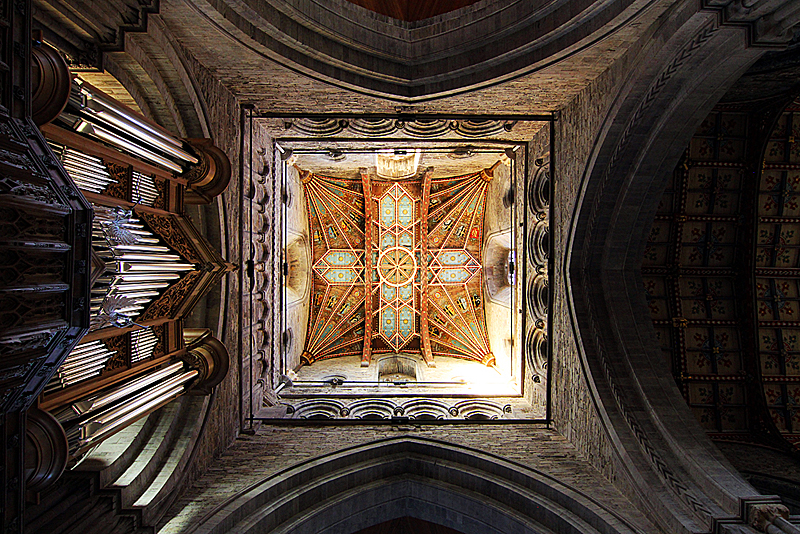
(769, 22)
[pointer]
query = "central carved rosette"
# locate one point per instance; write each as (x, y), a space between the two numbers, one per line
(397, 266)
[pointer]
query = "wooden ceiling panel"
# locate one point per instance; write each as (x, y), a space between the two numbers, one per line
(722, 271)
(410, 10)
(378, 280)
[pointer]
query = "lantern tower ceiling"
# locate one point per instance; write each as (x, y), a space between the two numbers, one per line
(411, 281)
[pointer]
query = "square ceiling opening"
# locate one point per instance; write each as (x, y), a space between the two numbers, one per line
(402, 291)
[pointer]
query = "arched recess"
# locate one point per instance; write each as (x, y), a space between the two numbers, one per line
(684, 70)
(157, 75)
(450, 485)
(351, 47)
(145, 59)
(298, 256)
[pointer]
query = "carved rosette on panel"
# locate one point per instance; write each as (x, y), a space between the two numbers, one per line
(122, 175)
(122, 358)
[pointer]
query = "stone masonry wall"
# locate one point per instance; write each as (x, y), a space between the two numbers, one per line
(572, 409)
(223, 113)
(272, 449)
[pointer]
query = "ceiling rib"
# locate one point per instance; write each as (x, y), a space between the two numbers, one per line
(427, 353)
(368, 320)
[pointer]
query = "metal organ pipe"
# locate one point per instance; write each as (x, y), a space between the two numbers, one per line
(96, 431)
(93, 130)
(98, 116)
(144, 189)
(101, 103)
(112, 414)
(85, 361)
(137, 266)
(88, 172)
(112, 395)
(143, 343)
(89, 420)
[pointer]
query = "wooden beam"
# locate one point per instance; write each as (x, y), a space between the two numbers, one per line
(427, 353)
(778, 272)
(681, 322)
(368, 267)
(779, 220)
(779, 324)
(672, 270)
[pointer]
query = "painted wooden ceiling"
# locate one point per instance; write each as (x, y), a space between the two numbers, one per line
(411, 10)
(721, 274)
(396, 266)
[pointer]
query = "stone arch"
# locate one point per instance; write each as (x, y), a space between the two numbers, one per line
(155, 72)
(451, 485)
(637, 404)
(348, 46)
(496, 256)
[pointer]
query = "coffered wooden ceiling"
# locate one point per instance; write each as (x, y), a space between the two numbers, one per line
(722, 273)
(396, 266)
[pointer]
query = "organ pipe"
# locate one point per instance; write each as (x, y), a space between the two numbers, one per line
(89, 420)
(137, 267)
(96, 115)
(84, 362)
(88, 172)
(144, 189)
(143, 343)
